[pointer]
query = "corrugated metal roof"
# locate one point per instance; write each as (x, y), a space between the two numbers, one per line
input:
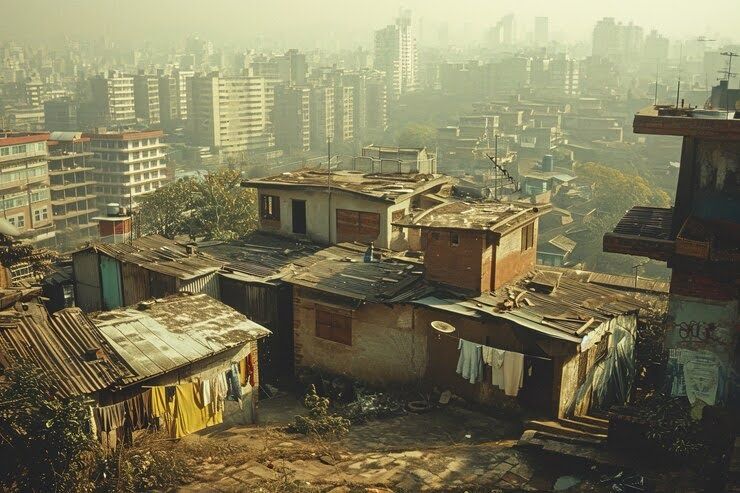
(621, 282)
(60, 344)
(341, 270)
(563, 243)
(158, 254)
(260, 256)
(173, 332)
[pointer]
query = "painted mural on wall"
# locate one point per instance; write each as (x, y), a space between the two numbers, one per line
(701, 342)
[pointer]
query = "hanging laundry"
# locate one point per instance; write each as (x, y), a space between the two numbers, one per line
(232, 377)
(137, 410)
(188, 416)
(205, 392)
(470, 362)
(495, 358)
(158, 402)
(109, 418)
(513, 373)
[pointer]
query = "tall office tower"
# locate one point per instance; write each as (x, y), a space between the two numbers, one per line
(541, 31)
(291, 118)
(605, 40)
(230, 114)
(73, 199)
(146, 99)
(127, 165)
(24, 185)
(396, 55)
(322, 115)
(112, 99)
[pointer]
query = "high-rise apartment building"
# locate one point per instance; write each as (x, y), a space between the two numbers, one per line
(291, 118)
(112, 98)
(322, 115)
(615, 40)
(230, 114)
(396, 55)
(61, 114)
(73, 199)
(127, 165)
(541, 31)
(173, 91)
(146, 99)
(344, 117)
(24, 185)
(376, 105)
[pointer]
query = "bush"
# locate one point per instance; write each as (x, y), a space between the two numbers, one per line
(318, 421)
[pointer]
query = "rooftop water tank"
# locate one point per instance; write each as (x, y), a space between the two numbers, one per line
(548, 163)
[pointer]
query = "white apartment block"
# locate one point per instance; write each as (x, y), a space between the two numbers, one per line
(396, 54)
(113, 96)
(127, 165)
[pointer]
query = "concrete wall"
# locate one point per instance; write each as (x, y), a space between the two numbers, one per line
(321, 218)
(386, 348)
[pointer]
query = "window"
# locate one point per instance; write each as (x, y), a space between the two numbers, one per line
(435, 235)
(334, 325)
(270, 207)
(454, 239)
(40, 214)
(527, 237)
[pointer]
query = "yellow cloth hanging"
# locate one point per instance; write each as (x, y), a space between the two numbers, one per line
(243, 372)
(159, 404)
(189, 417)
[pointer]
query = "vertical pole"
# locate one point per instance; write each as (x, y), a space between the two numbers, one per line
(495, 166)
(657, 69)
(328, 185)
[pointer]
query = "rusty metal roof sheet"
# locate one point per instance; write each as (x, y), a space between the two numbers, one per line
(497, 217)
(158, 254)
(388, 187)
(341, 270)
(66, 345)
(174, 331)
(261, 256)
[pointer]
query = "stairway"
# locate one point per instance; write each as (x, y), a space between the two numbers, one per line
(590, 428)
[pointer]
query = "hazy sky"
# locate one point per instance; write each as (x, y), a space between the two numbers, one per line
(344, 21)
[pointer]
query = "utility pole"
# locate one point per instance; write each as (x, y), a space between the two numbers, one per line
(495, 166)
(728, 75)
(680, 59)
(657, 71)
(328, 185)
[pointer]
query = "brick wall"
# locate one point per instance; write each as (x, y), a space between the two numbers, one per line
(457, 265)
(385, 347)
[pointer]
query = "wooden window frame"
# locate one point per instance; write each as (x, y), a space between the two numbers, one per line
(334, 325)
(269, 207)
(528, 237)
(454, 239)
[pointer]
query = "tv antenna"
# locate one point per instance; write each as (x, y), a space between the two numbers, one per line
(728, 74)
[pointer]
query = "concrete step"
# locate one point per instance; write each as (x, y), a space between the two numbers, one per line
(584, 426)
(556, 428)
(593, 420)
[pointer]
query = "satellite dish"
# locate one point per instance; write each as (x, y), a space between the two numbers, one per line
(7, 228)
(443, 327)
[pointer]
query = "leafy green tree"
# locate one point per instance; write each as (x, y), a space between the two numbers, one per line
(213, 207)
(417, 135)
(44, 439)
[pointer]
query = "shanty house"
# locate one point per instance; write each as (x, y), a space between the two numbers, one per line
(340, 206)
(180, 338)
(251, 282)
(108, 276)
(350, 317)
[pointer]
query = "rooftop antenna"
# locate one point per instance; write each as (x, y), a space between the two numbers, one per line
(728, 74)
(678, 88)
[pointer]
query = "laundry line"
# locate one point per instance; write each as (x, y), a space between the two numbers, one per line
(525, 354)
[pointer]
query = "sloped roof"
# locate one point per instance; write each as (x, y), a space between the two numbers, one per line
(563, 243)
(158, 254)
(260, 256)
(340, 270)
(173, 332)
(61, 344)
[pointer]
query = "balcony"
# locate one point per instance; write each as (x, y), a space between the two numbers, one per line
(643, 231)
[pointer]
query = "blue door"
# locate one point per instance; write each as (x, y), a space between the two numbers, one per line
(110, 272)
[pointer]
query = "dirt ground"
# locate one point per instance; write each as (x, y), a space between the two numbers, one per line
(447, 449)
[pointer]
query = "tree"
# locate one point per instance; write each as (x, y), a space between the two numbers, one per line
(212, 207)
(43, 439)
(165, 211)
(417, 135)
